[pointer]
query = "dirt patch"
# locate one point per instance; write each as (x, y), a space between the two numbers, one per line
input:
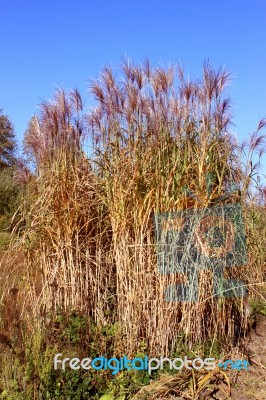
(251, 385)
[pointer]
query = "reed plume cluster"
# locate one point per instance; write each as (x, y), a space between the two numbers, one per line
(88, 234)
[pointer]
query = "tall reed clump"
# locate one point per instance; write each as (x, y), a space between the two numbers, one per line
(89, 236)
(65, 238)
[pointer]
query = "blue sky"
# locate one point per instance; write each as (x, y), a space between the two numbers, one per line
(47, 43)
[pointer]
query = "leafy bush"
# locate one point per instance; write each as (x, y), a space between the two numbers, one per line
(8, 197)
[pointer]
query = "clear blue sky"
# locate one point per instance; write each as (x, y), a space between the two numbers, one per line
(47, 43)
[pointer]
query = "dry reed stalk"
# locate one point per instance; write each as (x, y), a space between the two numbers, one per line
(91, 232)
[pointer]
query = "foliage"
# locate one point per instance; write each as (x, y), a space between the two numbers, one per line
(8, 197)
(7, 142)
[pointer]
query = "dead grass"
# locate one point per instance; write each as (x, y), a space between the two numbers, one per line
(89, 241)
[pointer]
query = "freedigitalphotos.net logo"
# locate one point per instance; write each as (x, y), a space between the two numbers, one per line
(191, 240)
(144, 364)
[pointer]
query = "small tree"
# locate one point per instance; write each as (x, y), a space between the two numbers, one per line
(8, 189)
(7, 142)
